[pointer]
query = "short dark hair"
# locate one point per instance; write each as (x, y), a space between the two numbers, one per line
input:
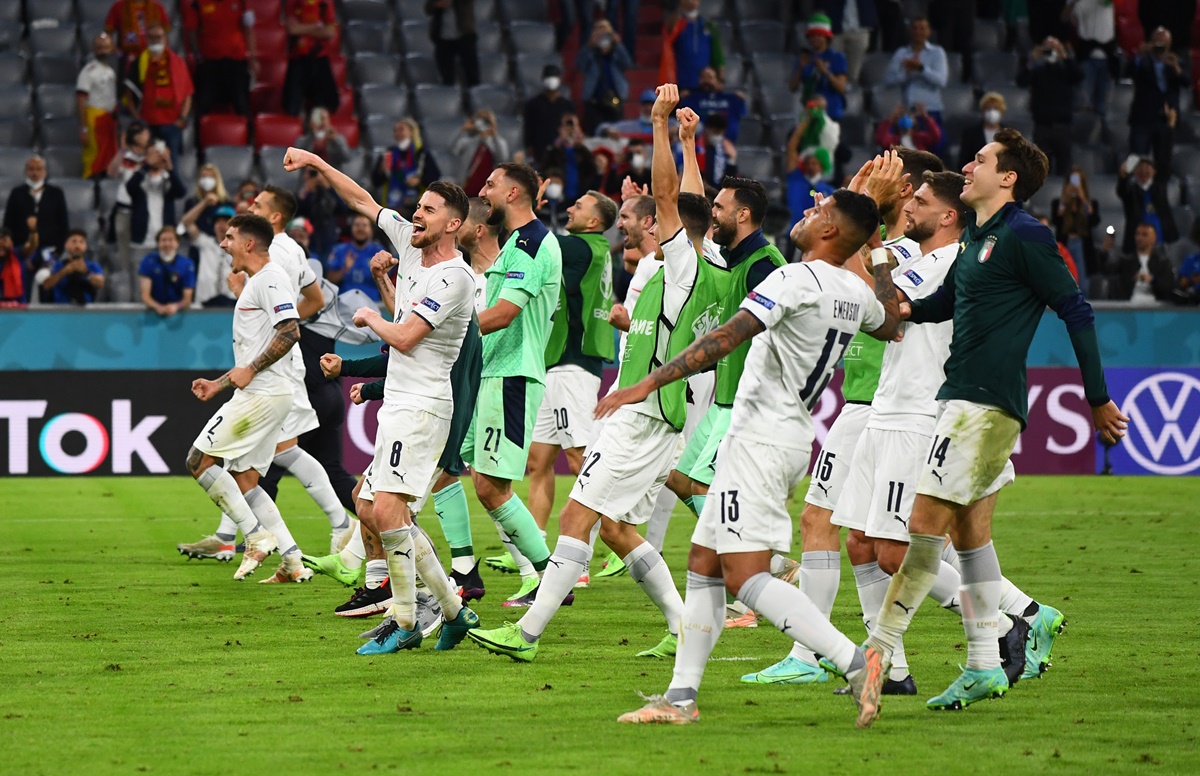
(947, 186)
(453, 194)
(917, 163)
(695, 211)
(644, 207)
(716, 121)
(605, 208)
(165, 228)
(285, 201)
(480, 211)
(70, 234)
(858, 212)
(255, 227)
(1021, 156)
(750, 194)
(524, 176)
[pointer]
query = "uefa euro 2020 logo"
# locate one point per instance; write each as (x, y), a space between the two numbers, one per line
(1164, 423)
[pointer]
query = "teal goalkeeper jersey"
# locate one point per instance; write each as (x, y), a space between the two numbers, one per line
(528, 273)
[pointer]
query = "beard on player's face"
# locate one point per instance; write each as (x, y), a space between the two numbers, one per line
(920, 231)
(496, 217)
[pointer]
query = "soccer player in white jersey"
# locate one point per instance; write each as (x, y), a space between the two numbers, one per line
(807, 314)
(820, 559)
(243, 431)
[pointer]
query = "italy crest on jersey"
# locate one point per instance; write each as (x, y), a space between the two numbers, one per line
(985, 252)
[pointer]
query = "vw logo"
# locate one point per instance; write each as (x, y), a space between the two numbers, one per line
(1164, 423)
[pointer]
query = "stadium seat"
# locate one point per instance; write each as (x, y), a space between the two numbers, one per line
(408, 10)
(93, 12)
(729, 41)
(63, 161)
(959, 99)
(1183, 218)
(79, 193)
(59, 13)
(855, 99)
(757, 9)
(1120, 100)
(752, 132)
(712, 9)
(857, 129)
(1184, 157)
(347, 127)
(55, 69)
(12, 70)
(372, 68)
(532, 37)
(380, 130)
(421, 69)
(270, 160)
(384, 100)
(433, 102)
(364, 36)
(526, 10)
(954, 66)
(19, 132)
(236, 162)
(10, 13)
(989, 35)
(995, 68)
(1094, 159)
(58, 132)
(529, 71)
(874, 69)
(186, 166)
(496, 73)
(223, 130)
(735, 71)
(780, 104)
(489, 39)
(374, 11)
(513, 132)
(772, 69)
(10, 37)
(438, 133)
(500, 100)
(276, 129)
(270, 42)
(12, 159)
(53, 40)
(756, 162)
(346, 103)
(55, 101)
(414, 37)
(764, 36)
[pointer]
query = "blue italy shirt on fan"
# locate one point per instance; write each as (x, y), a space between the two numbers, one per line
(359, 274)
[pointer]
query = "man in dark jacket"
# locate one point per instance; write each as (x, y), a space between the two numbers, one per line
(452, 28)
(1052, 77)
(1144, 196)
(1146, 273)
(36, 210)
(1157, 80)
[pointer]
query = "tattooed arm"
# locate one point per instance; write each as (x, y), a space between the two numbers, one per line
(287, 334)
(886, 293)
(702, 353)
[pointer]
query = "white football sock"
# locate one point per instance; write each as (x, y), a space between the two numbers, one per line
(524, 567)
(354, 553)
(561, 574)
(1013, 600)
(820, 576)
(798, 618)
(945, 588)
(981, 605)
(398, 545)
(223, 489)
(377, 572)
(315, 479)
(268, 514)
(227, 530)
(430, 570)
(872, 583)
(647, 568)
(660, 518)
(703, 619)
(908, 588)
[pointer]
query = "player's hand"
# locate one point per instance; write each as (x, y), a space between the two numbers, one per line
(363, 315)
(298, 159)
(887, 181)
(688, 123)
(905, 311)
(356, 393)
(631, 189)
(204, 389)
(858, 184)
(1110, 423)
(617, 399)
(236, 282)
(664, 103)
(331, 365)
(241, 376)
(382, 263)
(618, 317)
(540, 199)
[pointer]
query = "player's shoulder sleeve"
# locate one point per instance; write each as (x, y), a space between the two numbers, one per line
(273, 293)
(679, 260)
(923, 275)
(1036, 258)
(779, 294)
(397, 228)
(527, 263)
(449, 292)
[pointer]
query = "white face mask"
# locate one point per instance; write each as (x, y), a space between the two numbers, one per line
(167, 257)
(404, 144)
(551, 83)
(319, 134)
(207, 183)
(814, 179)
(692, 15)
(992, 116)
(1076, 179)
(35, 185)
(637, 161)
(156, 48)
(554, 192)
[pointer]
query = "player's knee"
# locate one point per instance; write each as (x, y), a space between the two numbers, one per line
(679, 484)
(614, 534)
(859, 548)
(815, 524)
(703, 561)
(890, 556)
(576, 521)
(574, 459)
(197, 463)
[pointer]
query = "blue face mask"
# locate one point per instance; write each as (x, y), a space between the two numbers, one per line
(904, 123)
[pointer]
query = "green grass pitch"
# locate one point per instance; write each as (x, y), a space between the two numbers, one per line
(117, 655)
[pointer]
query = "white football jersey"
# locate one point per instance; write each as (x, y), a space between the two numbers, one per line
(914, 368)
(266, 300)
(903, 249)
(291, 258)
(810, 311)
(480, 291)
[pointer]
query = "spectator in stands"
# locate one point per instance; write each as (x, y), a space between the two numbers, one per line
(992, 107)
(152, 191)
(452, 29)
(405, 169)
(1074, 215)
(720, 157)
(633, 128)
(318, 203)
(349, 263)
(161, 87)
(818, 133)
(956, 30)
(213, 264)
(602, 63)
(572, 14)
(916, 130)
(479, 148)
(571, 157)
(300, 230)
(921, 70)
(311, 27)
(544, 111)
(1096, 50)
(636, 164)
(129, 21)
(96, 108)
(247, 190)
(210, 189)
(805, 177)
(607, 182)
(74, 279)
(711, 98)
(1187, 289)
(1052, 77)
(221, 37)
(690, 44)
(1143, 192)
(627, 10)
(819, 69)
(852, 22)
(12, 272)
(168, 280)
(324, 140)
(1144, 274)
(1176, 16)
(36, 212)
(1046, 19)
(1067, 257)
(1157, 81)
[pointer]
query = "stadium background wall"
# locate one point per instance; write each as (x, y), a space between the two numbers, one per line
(101, 391)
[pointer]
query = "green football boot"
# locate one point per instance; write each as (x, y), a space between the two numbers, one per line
(505, 640)
(613, 566)
(453, 631)
(1046, 625)
(665, 648)
(502, 563)
(332, 566)
(974, 685)
(790, 670)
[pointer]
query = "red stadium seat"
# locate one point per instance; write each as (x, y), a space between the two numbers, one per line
(345, 102)
(276, 129)
(266, 98)
(270, 41)
(337, 63)
(219, 129)
(265, 10)
(347, 127)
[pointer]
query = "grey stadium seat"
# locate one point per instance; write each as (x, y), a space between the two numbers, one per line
(959, 99)
(757, 9)
(489, 39)
(486, 11)
(61, 12)
(526, 10)
(270, 161)
(79, 193)
(778, 102)
(735, 71)
(380, 130)
(757, 162)
(437, 133)
(500, 100)
(421, 69)
(408, 10)
(367, 36)
(53, 40)
(874, 68)
(55, 69)
(374, 11)
(764, 36)
(712, 9)
(12, 161)
(496, 72)
(236, 163)
(989, 35)
(373, 68)
(513, 132)
(729, 41)
(55, 101)
(63, 161)
(93, 12)
(17, 100)
(532, 37)
(995, 68)
(751, 132)
(10, 13)
(433, 102)
(57, 132)
(12, 70)
(384, 100)
(414, 37)
(19, 132)
(772, 69)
